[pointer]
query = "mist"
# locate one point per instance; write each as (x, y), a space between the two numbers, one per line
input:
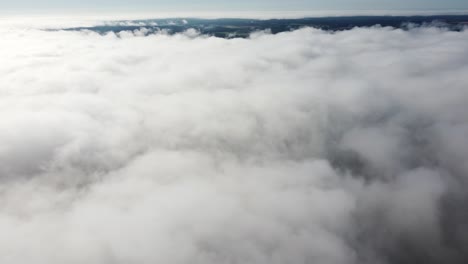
(307, 146)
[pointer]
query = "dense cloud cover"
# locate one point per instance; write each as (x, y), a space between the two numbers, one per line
(301, 147)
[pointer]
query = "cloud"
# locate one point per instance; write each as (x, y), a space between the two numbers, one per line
(301, 147)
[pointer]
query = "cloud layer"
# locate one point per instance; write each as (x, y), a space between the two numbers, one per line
(300, 147)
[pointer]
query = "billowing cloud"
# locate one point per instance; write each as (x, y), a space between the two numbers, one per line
(301, 147)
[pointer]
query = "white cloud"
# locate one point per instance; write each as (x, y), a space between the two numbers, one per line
(300, 147)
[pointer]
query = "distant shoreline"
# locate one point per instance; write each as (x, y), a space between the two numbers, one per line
(242, 28)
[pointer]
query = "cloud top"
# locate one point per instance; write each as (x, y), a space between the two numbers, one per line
(300, 147)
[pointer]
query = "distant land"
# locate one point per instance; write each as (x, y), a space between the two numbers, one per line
(241, 28)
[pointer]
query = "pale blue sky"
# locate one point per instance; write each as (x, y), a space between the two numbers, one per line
(187, 5)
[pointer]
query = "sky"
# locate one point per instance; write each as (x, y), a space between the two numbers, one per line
(249, 5)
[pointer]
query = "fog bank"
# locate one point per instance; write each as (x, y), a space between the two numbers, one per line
(301, 147)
